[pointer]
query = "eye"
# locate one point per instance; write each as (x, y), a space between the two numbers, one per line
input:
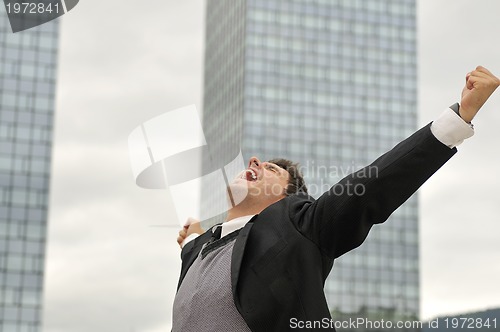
(271, 168)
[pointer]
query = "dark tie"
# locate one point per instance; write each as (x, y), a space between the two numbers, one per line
(210, 245)
(216, 233)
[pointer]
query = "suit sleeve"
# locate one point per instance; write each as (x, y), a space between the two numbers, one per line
(341, 218)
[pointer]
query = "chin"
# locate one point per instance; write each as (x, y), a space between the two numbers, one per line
(239, 191)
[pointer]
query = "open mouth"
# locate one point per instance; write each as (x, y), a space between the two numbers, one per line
(250, 175)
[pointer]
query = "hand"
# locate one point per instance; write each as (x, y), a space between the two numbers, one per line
(479, 85)
(192, 226)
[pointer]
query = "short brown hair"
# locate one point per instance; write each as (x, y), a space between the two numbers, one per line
(296, 183)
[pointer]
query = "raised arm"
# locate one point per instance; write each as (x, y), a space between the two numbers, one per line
(341, 218)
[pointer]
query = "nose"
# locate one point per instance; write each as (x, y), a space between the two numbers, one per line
(254, 161)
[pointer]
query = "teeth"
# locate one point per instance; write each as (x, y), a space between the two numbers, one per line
(252, 174)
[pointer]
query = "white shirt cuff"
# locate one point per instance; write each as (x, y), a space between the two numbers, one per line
(190, 237)
(450, 129)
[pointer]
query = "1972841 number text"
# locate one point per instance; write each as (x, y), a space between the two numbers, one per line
(32, 8)
(470, 323)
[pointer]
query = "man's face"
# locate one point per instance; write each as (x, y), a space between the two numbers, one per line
(264, 181)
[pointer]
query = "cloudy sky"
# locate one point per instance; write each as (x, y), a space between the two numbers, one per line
(123, 62)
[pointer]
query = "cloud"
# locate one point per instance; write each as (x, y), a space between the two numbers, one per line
(123, 63)
(107, 267)
(458, 205)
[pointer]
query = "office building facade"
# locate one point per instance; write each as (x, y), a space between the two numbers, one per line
(27, 87)
(331, 84)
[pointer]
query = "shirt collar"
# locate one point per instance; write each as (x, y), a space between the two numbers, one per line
(234, 224)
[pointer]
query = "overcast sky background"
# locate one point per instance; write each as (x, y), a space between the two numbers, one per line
(124, 62)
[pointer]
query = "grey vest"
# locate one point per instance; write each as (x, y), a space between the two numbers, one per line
(204, 301)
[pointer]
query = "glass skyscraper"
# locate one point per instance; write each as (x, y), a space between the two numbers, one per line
(27, 85)
(331, 84)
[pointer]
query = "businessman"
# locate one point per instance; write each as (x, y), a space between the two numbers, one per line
(265, 267)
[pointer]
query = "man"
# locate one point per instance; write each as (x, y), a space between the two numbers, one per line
(265, 267)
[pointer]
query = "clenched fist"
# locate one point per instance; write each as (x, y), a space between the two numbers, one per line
(479, 85)
(192, 226)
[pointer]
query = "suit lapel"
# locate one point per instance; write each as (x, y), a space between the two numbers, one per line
(191, 251)
(237, 256)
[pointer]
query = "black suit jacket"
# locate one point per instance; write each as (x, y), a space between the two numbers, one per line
(283, 256)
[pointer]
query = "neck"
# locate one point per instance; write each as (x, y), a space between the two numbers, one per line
(240, 211)
(248, 208)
